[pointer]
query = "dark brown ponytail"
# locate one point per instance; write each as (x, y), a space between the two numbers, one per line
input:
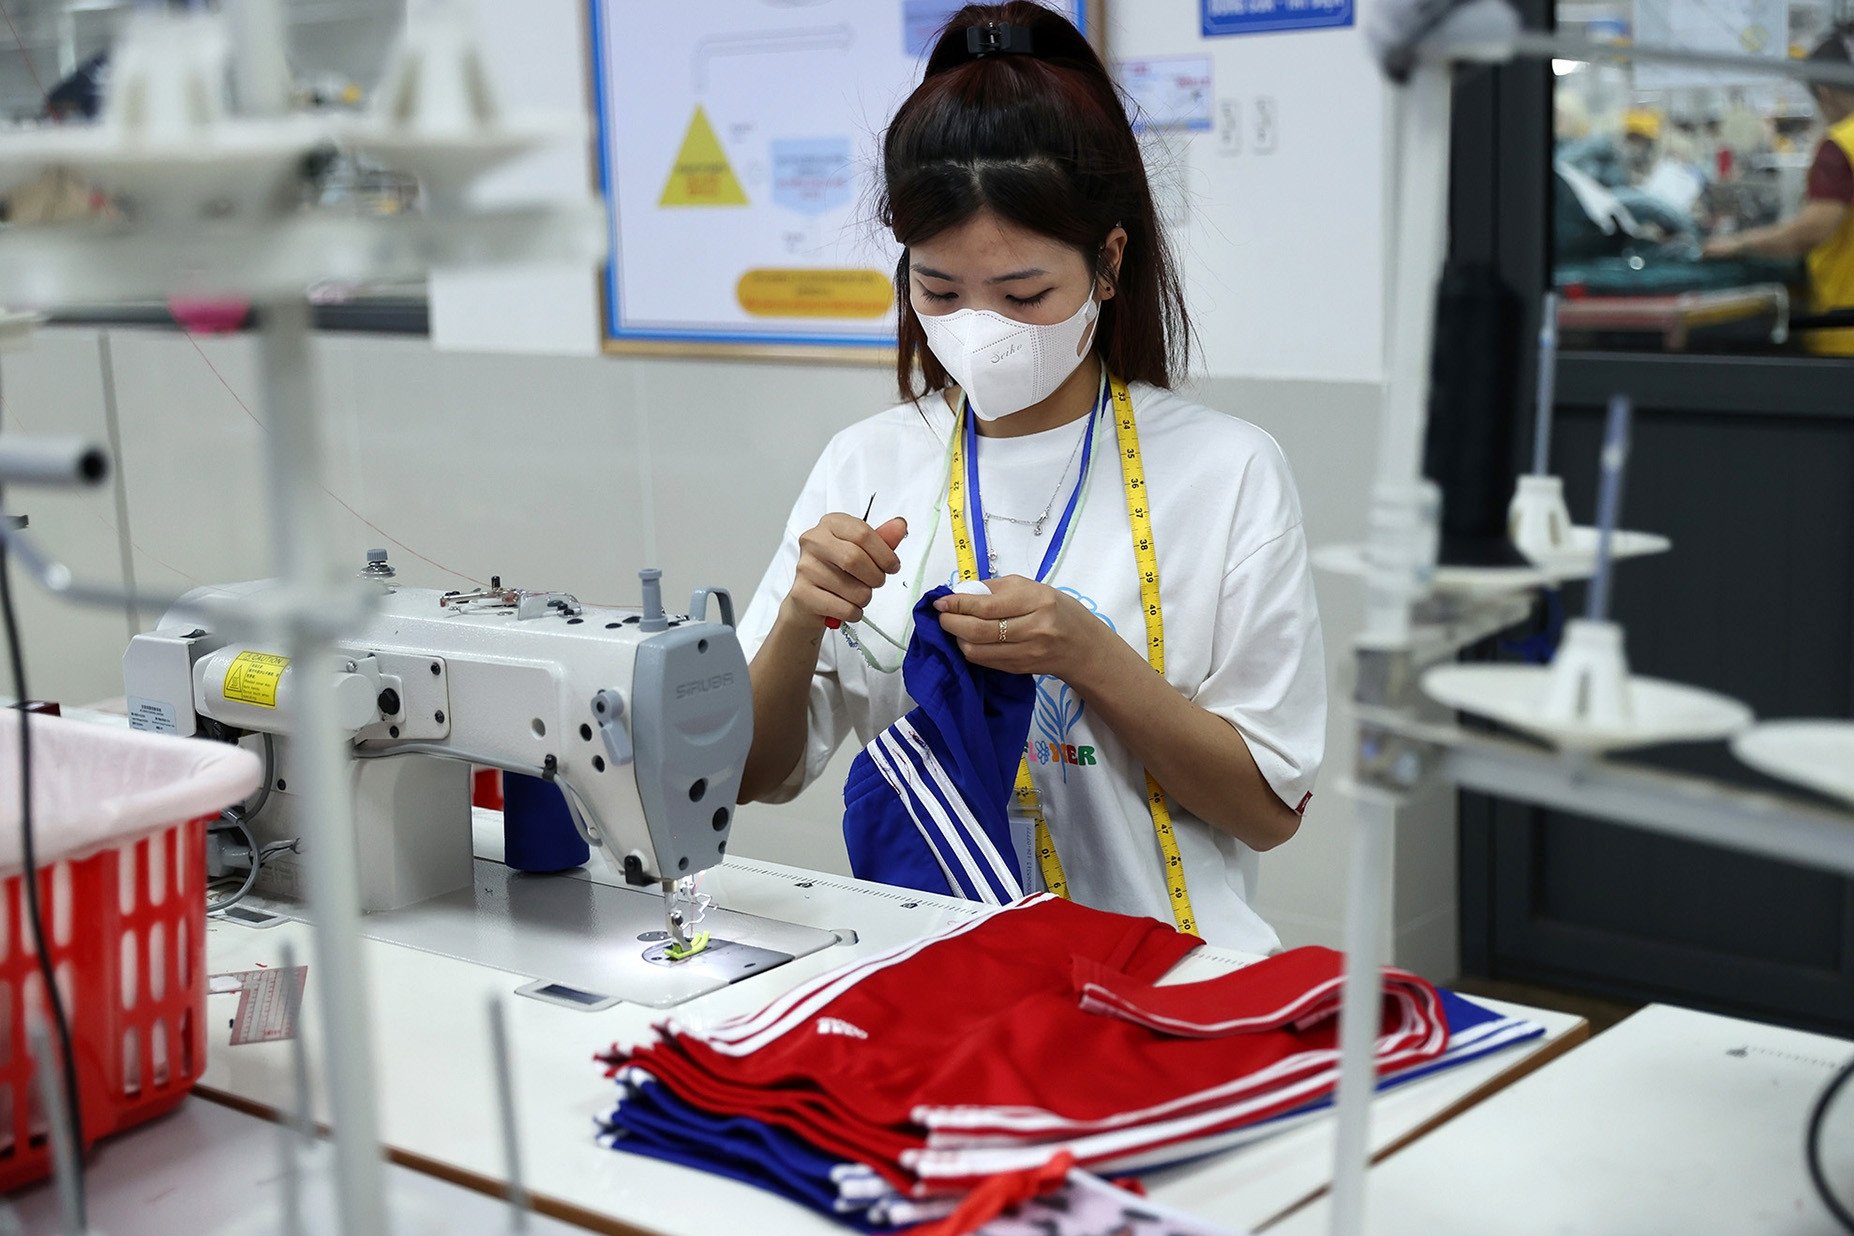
(1040, 138)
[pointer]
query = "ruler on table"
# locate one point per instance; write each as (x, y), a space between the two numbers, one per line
(268, 1002)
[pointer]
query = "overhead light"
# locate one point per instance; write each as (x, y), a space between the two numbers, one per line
(1562, 67)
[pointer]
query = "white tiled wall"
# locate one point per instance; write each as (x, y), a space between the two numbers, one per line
(572, 473)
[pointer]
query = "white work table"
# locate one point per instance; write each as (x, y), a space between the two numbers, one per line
(436, 1093)
(207, 1168)
(1673, 1122)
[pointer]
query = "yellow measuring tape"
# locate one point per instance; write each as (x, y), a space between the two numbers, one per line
(1145, 556)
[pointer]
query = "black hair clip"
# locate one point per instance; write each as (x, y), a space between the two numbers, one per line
(998, 40)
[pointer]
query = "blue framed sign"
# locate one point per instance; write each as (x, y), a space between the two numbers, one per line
(1272, 16)
(737, 157)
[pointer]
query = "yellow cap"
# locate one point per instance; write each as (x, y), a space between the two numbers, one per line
(1642, 122)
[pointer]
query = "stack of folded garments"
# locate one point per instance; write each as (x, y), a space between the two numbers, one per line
(884, 1091)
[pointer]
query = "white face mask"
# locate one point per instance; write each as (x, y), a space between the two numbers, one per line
(1004, 365)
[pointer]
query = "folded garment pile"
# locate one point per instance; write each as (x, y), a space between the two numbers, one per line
(883, 1092)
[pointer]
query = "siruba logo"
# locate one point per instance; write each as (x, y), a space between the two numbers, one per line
(696, 686)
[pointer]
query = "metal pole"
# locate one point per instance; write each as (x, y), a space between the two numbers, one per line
(517, 1192)
(304, 566)
(1609, 505)
(1395, 549)
(112, 428)
(66, 1165)
(1373, 817)
(291, 1138)
(1547, 385)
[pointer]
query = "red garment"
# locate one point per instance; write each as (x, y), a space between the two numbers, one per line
(1831, 176)
(1033, 1029)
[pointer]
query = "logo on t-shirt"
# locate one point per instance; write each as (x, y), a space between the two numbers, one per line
(1039, 752)
(836, 1025)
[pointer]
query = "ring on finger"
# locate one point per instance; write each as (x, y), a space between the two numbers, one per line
(1003, 631)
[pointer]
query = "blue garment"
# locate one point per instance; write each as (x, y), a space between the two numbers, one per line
(653, 1122)
(927, 803)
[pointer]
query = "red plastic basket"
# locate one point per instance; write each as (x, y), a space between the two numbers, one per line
(119, 825)
(126, 929)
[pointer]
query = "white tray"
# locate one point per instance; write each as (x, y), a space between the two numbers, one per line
(1454, 581)
(1816, 754)
(1578, 559)
(1515, 695)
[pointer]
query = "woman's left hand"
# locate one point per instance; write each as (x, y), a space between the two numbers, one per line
(1024, 627)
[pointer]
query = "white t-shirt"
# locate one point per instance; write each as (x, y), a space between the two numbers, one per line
(1242, 633)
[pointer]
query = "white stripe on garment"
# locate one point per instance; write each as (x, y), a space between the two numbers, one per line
(797, 1006)
(1211, 1143)
(1021, 1126)
(1159, 1142)
(1089, 1149)
(918, 792)
(885, 766)
(1390, 1047)
(1481, 1041)
(751, 1024)
(1103, 1000)
(800, 1002)
(735, 1028)
(1009, 887)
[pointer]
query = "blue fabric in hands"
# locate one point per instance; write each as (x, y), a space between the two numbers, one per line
(927, 803)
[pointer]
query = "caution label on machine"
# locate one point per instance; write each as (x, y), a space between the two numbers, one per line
(252, 678)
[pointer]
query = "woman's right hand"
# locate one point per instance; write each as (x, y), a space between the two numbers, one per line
(841, 563)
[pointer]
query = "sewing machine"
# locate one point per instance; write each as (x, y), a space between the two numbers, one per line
(641, 718)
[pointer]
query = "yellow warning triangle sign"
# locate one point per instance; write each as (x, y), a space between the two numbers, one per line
(701, 175)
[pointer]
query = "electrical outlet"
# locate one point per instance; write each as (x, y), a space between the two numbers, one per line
(1267, 124)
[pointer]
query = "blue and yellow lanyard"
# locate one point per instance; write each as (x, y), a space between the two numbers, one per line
(969, 545)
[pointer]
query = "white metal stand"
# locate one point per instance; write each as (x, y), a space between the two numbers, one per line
(306, 566)
(212, 192)
(1405, 634)
(1400, 546)
(1374, 821)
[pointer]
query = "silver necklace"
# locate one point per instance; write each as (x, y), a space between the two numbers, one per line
(1036, 525)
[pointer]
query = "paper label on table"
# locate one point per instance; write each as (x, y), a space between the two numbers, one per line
(268, 1003)
(152, 716)
(701, 175)
(824, 293)
(253, 678)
